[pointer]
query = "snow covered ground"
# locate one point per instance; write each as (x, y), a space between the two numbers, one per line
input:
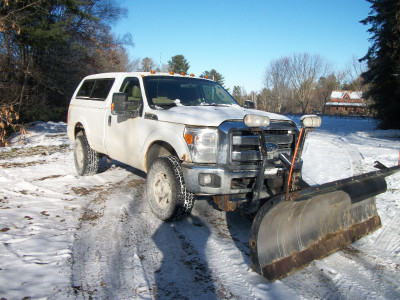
(69, 237)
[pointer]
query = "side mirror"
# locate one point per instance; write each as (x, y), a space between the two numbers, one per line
(119, 103)
(249, 104)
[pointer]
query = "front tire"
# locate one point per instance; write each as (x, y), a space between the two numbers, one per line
(85, 158)
(166, 191)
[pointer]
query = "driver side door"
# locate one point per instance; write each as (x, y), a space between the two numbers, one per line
(123, 133)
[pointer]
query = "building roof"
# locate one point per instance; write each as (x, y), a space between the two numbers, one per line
(352, 94)
(346, 104)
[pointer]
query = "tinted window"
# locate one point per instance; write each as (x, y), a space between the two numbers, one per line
(95, 89)
(85, 89)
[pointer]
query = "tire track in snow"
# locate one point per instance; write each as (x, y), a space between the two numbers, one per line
(173, 267)
(331, 278)
(184, 269)
(229, 257)
(123, 251)
(100, 255)
(318, 160)
(388, 242)
(354, 156)
(367, 268)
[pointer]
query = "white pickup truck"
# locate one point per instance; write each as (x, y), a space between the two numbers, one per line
(189, 135)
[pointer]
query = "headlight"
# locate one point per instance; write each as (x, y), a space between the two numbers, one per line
(203, 143)
(310, 121)
(256, 121)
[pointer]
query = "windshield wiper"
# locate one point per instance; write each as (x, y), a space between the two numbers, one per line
(215, 104)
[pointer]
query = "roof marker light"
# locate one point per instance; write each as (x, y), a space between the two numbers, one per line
(153, 72)
(192, 74)
(171, 72)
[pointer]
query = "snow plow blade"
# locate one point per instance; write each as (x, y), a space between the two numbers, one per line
(290, 232)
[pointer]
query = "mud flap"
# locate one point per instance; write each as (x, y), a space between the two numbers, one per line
(317, 221)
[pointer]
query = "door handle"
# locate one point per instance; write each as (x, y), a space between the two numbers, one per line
(109, 120)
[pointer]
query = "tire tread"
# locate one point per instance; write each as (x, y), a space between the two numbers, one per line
(91, 157)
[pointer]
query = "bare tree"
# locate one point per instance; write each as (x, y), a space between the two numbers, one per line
(244, 96)
(325, 86)
(277, 80)
(353, 74)
(305, 70)
(265, 100)
(148, 65)
(163, 68)
(253, 97)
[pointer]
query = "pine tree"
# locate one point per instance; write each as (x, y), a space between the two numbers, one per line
(383, 60)
(214, 75)
(237, 93)
(178, 64)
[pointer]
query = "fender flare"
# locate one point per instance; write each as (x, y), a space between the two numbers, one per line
(172, 137)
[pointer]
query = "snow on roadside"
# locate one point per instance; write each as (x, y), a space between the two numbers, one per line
(37, 217)
(42, 202)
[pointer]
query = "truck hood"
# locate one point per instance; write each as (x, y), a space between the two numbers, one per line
(209, 115)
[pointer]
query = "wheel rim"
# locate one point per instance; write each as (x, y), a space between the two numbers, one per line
(79, 154)
(162, 190)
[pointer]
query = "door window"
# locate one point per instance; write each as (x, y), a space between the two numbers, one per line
(131, 87)
(95, 89)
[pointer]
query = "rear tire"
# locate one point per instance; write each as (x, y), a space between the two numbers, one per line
(166, 191)
(85, 158)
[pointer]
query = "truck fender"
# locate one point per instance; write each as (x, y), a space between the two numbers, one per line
(170, 138)
(72, 130)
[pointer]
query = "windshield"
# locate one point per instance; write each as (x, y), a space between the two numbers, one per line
(167, 91)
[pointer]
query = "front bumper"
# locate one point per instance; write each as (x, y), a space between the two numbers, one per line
(222, 179)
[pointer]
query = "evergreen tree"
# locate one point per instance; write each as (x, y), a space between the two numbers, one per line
(383, 59)
(237, 93)
(214, 75)
(178, 64)
(48, 46)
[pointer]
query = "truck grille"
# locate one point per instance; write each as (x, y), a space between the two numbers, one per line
(245, 146)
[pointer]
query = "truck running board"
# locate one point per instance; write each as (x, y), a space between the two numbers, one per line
(315, 222)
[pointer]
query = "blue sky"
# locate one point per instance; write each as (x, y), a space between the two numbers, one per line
(240, 38)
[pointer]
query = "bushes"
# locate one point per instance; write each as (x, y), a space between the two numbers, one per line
(8, 123)
(44, 113)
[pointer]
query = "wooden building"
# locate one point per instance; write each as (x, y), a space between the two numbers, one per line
(346, 103)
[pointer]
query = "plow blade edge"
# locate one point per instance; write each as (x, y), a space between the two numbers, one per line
(317, 221)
